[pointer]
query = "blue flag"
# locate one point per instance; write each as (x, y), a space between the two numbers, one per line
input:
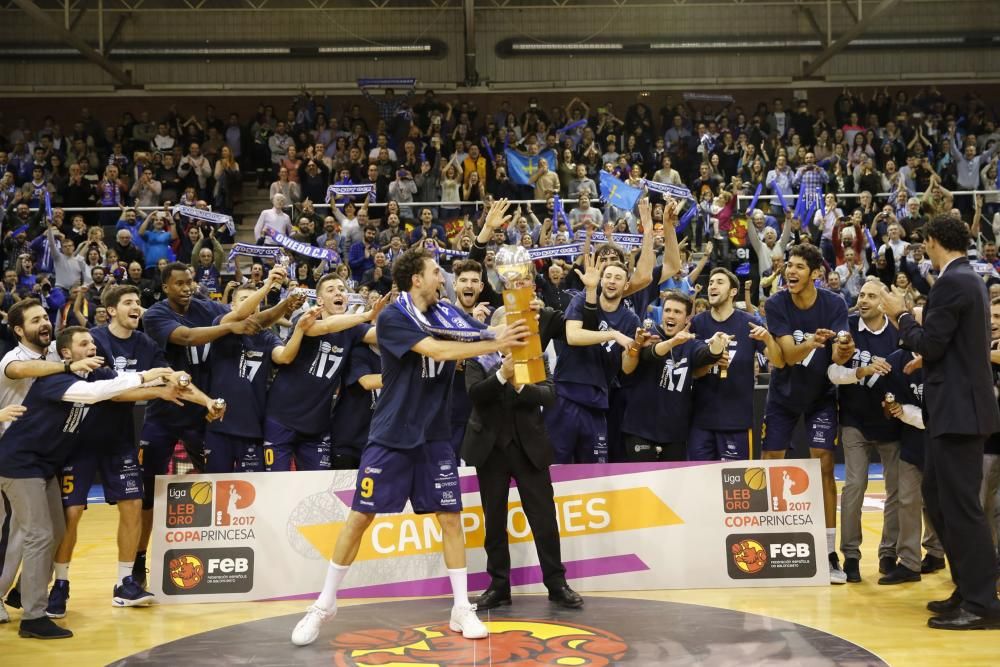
(781, 198)
(520, 168)
(871, 241)
(559, 214)
(617, 193)
(756, 196)
(687, 218)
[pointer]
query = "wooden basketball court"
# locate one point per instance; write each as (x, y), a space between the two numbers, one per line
(888, 621)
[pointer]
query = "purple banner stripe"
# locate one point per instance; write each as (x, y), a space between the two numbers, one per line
(519, 576)
(565, 473)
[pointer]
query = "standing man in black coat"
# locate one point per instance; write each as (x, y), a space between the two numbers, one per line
(960, 411)
(506, 439)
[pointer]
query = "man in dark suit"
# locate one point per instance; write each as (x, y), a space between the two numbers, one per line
(505, 439)
(960, 411)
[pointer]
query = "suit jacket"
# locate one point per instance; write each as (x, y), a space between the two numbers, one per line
(955, 343)
(502, 416)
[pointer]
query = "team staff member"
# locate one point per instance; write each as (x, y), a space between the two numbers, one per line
(803, 319)
(722, 420)
(506, 439)
(865, 427)
(962, 412)
(658, 407)
(32, 358)
(33, 450)
(409, 454)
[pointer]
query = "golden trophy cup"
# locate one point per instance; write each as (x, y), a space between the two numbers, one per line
(517, 272)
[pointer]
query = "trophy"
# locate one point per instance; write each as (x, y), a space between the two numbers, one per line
(517, 272)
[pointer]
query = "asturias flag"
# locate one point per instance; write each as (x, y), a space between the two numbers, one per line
(521, 167)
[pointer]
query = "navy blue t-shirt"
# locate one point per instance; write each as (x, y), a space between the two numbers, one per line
(906, 389)
(352, 416)
(301, 396)
(727, 405)
(804, 386)
(639, 302)
(658, 404)
(584, 373)
(861, 403)
(159, 322)
(240, 370)
(111, 423)
(38, 443)
(415, 404)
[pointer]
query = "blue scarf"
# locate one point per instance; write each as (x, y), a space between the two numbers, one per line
(442, 320)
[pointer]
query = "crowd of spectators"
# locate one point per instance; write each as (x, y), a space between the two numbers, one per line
(881, 163)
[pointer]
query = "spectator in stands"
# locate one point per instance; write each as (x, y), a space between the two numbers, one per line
(228, 181)
(272, 220)
(287, 188)
(162, 141)
(278, 145)
(146, 191)
(582, 184)
(126, 248)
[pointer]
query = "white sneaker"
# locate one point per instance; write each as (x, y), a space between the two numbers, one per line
(464, 620)
(4, 618)
(307, 630)
(837, 574)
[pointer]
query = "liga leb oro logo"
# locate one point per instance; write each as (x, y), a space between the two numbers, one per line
(744, 490)
(513, 642)
(788, 484)
(233, 500)
(189, 504)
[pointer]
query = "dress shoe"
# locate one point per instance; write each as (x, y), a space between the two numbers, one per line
(886, 564)
(949, 606)
(566, 597)
(492, 598)
(852, 569)
(931, 564)
(963, 620)
(899, 575)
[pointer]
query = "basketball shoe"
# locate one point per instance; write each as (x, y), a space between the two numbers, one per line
(307, 630)
(130, 594)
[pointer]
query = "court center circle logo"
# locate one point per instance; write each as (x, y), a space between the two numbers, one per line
(513, 642)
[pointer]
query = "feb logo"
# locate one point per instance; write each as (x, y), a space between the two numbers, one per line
(186, 571)
(512, 642)
(749, 556)
(234, 498)
(788, 484)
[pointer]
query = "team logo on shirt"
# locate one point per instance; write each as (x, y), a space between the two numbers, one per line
(512, 642)
(208, 571)
(327, 360)
(771, 556)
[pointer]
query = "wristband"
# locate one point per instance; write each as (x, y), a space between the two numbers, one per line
(66, 366)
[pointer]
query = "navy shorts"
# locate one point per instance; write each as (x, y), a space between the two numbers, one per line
(705, 445)
(157, 442)
(233, 453)
(311, 452)
(640, 450)
(121, 477)
(579, 434)
(820, 423)
(426, 475)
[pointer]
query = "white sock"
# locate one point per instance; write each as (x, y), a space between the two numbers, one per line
(124, 570)
(831, 540)
(62, 570)
(334, 575)
(460, 586)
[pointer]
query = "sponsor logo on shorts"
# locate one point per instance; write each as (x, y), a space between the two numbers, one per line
(189, 504)
(519, 642)
(208, 571)
(373, 471)
(771, 556)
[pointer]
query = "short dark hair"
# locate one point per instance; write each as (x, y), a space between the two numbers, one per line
(809, 253)
(325, 278)
(15, 316)
(409, 264)
(679, 297)
(604, 247)
(65, 338)
(466, 266)
(950, 232)
(169, 269)
(116, 293)
(618, 265)
(734, 282)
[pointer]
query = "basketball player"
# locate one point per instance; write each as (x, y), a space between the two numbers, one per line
(301, 397)
(352, 416)
(583, 375)
(468, 287)
(33, 450)
(803, 320)
(184, 327)
(864, 427)
(409, 454)
(32, 358)
(722, 421)
(240, 370)
(107, 444)
(658, 407)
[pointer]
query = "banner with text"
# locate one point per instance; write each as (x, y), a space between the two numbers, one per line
(267, 536)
